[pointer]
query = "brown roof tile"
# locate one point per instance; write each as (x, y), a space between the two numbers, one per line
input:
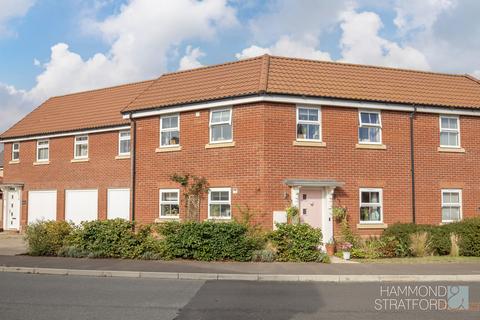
(90, 109)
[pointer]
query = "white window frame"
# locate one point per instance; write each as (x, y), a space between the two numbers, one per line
(369, 125)
(169, 130)
(47, 146)
(120, 139)
(450, 130)
(16, 150)
(162, 191)
(75, 143)
(460, 204)
(229, 202)
(380, 195)
(229, 122)
(319, 122)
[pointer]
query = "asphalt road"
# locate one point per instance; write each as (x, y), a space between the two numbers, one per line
(24, 296)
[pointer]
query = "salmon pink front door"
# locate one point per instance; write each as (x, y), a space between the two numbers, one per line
(311, 207)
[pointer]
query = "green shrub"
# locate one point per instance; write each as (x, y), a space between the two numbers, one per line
(104, 239)
(46, 238)
(420, 244)
(323, 258)
(469, 233)
(207, 241)
(298, 242)
(264, 255)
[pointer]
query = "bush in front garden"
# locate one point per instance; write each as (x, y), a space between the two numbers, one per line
(46, 238)
(296, 242)
(207, 241)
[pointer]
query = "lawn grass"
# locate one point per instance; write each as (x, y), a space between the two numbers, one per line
(429, 259)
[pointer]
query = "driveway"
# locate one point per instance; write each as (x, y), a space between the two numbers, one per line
(12, 244)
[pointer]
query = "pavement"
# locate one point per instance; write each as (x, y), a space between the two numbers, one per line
(275, 271)
(26, 296)
(12, 244)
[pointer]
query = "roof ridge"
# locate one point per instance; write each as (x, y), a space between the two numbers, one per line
(103, 89)
(472, 78)
(368, 66)
(212, 66)
(264, 73)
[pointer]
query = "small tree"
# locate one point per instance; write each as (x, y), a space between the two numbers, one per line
(193, 190)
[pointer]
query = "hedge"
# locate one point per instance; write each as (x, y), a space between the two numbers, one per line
(296, 242)
(46, 238)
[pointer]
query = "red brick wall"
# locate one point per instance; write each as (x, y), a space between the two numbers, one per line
(103, 171)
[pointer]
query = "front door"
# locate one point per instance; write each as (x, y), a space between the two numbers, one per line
(311, 207)
(12, 219)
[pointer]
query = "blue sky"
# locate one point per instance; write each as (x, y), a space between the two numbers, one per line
(51, 47)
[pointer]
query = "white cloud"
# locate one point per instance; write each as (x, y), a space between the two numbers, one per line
(414, 14)
(476, 74)
(285, 46)
(10, 9)
(14, 105)
(190, 59)
(361, 43)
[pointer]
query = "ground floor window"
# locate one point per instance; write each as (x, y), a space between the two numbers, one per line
(219, 203)
(371, 205)
(451, 205)
(169, 203)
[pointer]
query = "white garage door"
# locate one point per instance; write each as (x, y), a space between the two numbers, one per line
(42, 205)
(81, 205)
(118, 205)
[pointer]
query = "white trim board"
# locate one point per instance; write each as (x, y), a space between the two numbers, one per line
(301, 100)
(66, 134)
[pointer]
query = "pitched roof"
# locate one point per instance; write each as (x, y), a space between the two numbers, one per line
(265, 74)
(85, 110)
(279, 75)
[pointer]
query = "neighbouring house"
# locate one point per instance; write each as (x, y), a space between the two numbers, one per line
(389, 145)
(1, 194)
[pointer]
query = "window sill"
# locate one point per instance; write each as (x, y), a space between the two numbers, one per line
(452, 150)
(371, 146)
(79, 160)
(220, 145)
(219, 219)
(309, 144)
(14, 162)
(165, 219)
(122, 157)
(168, 149)
(372, 226)
(41, 163)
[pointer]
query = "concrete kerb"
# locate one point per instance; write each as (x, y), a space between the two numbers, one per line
(245, 277)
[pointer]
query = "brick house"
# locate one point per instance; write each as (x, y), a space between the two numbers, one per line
(389, 145)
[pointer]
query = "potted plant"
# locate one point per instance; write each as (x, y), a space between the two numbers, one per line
(346, 247)
(330, 248)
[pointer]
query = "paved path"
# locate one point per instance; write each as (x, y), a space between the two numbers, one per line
(12, 244)
(242, 267)
(24, 296)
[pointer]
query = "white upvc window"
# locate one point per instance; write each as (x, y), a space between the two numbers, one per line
(124, 143)
(81, 147)
(221, 126)
(170, 203)
(219, 203)
(370, 127)
(43, 150)
(309, 124)
(371, 205)
(451, 205)
(449, 131)
(16, 151)
(170, 131)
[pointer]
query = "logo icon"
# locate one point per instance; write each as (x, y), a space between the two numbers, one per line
(457, 297)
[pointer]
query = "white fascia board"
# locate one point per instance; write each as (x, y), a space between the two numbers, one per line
(302, 101)
(66, 134)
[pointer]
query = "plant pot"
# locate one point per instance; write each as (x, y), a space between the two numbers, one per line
(330, 249)
(346, 255)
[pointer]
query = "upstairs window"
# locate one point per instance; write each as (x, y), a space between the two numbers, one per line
(219, 203)
(221, 126)
(43, 150)
(169, 203)
(124, 143)
(16, 152)
(451, 205)
(449, 132)
(170, 131)
(308, 124)
(370, 129)
(371, 206)
(81, 147)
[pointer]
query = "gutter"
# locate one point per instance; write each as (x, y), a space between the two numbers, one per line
(412, 161)
(133, 164)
